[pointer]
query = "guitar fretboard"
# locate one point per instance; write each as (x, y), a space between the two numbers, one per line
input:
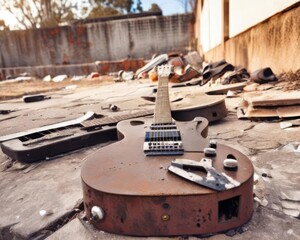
(162, 112)
(163, 138)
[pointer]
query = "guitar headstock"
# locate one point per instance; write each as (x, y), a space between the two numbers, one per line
(164, 70)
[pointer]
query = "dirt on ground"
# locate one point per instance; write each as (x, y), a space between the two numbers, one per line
(291, 80)
(11, 89)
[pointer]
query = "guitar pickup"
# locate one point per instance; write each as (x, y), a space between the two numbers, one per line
(164, 126)
(163, 148)
(163, 142)
(213, 180)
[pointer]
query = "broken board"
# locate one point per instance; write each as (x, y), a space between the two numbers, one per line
(273, 98)
(270, 104)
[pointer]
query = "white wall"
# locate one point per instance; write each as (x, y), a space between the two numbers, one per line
(247, 13)
(243, 14)
(211, 24)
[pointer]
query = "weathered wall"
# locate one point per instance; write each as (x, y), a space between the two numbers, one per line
(243, 14)
(274, 43)
(84, 43)
(102, 67)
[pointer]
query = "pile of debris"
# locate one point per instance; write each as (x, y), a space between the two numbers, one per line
(191, 66)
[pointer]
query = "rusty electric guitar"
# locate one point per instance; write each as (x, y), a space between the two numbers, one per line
(164, 178)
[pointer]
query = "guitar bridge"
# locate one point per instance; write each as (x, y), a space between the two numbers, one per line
(163, 139)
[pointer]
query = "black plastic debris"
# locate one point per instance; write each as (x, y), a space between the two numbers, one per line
(35, 98)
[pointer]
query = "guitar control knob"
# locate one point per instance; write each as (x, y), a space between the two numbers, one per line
(97, 213)
(230, 164)
(213, 144)
(210, 152)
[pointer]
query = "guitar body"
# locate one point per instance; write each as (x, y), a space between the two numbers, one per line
(186, 103)
(138, 196)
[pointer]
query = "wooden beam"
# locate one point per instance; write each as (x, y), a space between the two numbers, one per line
(198, 11)
(225, 19)
(225, 25)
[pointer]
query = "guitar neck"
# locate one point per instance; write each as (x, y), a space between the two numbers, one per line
(114, 119)
(163, 138)
(162, 112)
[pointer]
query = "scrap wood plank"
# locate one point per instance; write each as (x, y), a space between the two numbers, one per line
(290, 111)
(273, 98)
(268, 112)
(250, 112)
(223, 89)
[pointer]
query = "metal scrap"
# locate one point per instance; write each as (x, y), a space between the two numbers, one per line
(88, 115)
(214, 179)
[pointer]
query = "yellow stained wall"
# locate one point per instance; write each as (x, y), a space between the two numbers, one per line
(272, 43)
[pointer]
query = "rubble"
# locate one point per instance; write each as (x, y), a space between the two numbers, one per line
(59, 78)
(44, 213)
(290, 80)
(78, 78)
(291, 123)
(47, 78)
(94, 75)
(126, 76)
(264, 75)
(292, 195)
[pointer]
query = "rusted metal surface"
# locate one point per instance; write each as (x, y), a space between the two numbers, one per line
(140, 197)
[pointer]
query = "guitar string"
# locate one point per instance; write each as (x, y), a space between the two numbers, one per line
(166, 133)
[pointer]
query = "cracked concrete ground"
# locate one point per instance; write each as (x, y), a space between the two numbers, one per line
(55, 186)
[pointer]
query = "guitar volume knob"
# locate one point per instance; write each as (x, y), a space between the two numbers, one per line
(230, 164)
(210, 152)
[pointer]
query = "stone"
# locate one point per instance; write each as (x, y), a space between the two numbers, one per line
(60, 78)
(94, 75)
(47, 78)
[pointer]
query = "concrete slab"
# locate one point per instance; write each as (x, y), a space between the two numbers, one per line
(55, 185)
(74, 230)
(52, 186)
(265, 224)
(78, 230)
